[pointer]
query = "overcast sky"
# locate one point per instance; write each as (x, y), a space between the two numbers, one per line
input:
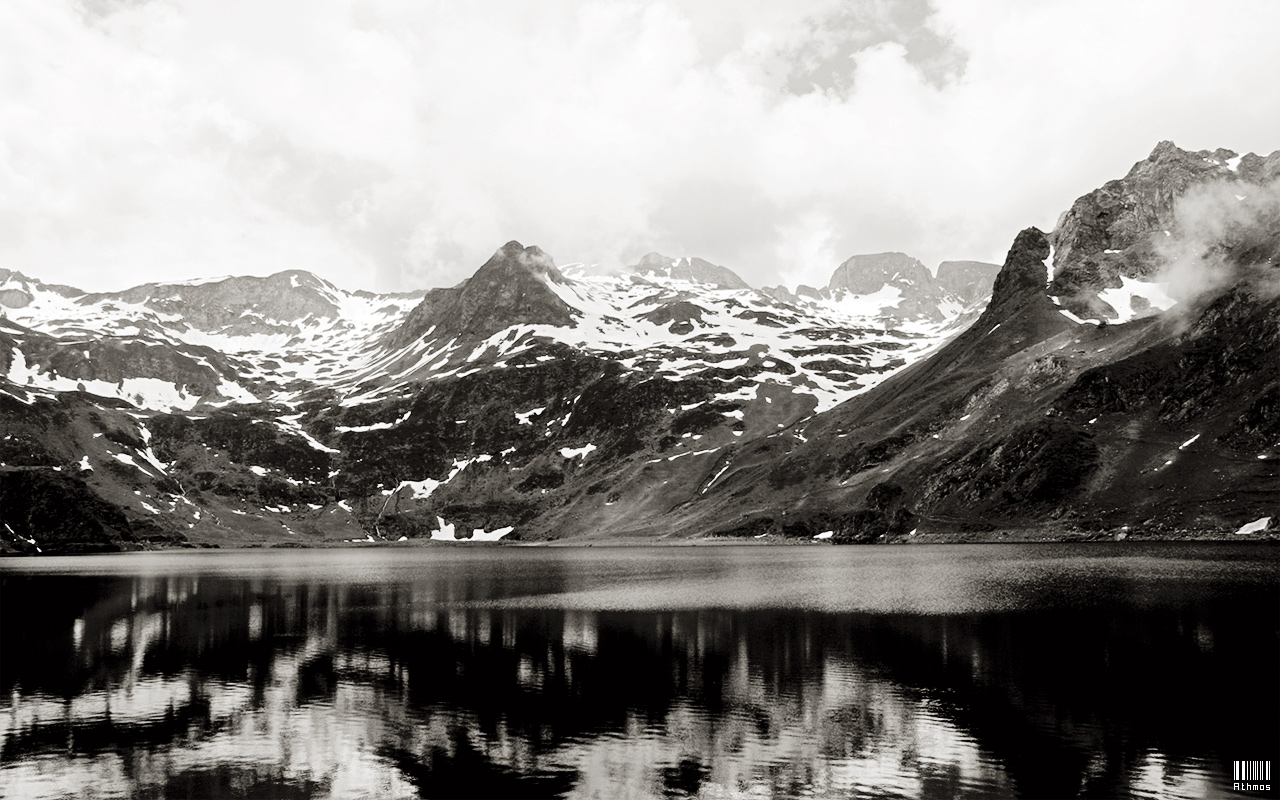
(395, 145)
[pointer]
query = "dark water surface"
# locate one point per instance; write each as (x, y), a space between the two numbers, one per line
(1008, 670)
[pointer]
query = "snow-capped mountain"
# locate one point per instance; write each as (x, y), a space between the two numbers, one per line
(173, 346)
(668, 398)
(286, 396)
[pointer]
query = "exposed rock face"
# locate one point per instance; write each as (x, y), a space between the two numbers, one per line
(14, 298)
(1024, 272)
(509, 289)
(1031, 419)
(970, 281)
(283, 297)
(869, 273)
(694, 270)
(1117, 229)
(197, 371)
(916, 295)
(163, 346)
(13, 281)
(681, 316)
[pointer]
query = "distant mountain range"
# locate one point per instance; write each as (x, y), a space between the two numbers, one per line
(1123, 378)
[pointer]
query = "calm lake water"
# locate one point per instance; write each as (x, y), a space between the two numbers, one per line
(1103, 670)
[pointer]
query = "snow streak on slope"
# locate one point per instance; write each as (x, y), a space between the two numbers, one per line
(832, 349)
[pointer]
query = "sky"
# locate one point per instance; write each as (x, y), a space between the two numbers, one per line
(393, 145)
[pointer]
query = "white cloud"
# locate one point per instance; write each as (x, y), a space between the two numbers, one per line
(396, 144)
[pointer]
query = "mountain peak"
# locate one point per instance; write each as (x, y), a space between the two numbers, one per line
(533, 259)
(1024, 269)
(655, 259)
(864, 274)
(511, 288)
(1107, 234)
(968, 280)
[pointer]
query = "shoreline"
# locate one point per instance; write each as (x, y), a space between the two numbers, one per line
(949, 539)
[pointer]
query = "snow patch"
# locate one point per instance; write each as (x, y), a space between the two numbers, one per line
(376, 426)
(575, 452)
(1121, 299)
(1257, 526)
(480, 535)
(125, 458)
(1076, 319)
(447, 532)
(523, 417)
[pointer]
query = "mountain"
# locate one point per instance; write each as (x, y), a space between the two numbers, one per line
(529, 398)
(511, 288)
(1036, 419)
(689, 269)
(669, 398)
(969, 281)
(898, 289)
(1111, 243)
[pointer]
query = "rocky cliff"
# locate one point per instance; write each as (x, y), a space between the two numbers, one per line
(1036, 419)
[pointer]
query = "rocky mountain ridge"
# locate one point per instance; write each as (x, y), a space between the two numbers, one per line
(533, 402)
(259, 407)
(1035, 418)
(903, 287)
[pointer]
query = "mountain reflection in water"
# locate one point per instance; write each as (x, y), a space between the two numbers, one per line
(467, 676)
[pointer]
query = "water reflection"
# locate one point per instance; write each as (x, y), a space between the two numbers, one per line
(287, 685)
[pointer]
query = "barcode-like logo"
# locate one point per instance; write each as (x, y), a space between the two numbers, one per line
(1251, 771)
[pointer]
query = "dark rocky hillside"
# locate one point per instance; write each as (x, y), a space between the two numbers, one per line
(1033, 420)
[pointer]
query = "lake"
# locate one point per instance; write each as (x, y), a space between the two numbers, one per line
(1104, 670)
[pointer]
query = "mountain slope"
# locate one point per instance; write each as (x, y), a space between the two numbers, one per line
(530, 399)
(1035, 419)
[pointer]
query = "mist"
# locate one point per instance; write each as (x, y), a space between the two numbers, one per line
(1223, 233)
(394, 146)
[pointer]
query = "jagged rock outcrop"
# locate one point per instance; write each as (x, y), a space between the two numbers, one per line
(1119, 229)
